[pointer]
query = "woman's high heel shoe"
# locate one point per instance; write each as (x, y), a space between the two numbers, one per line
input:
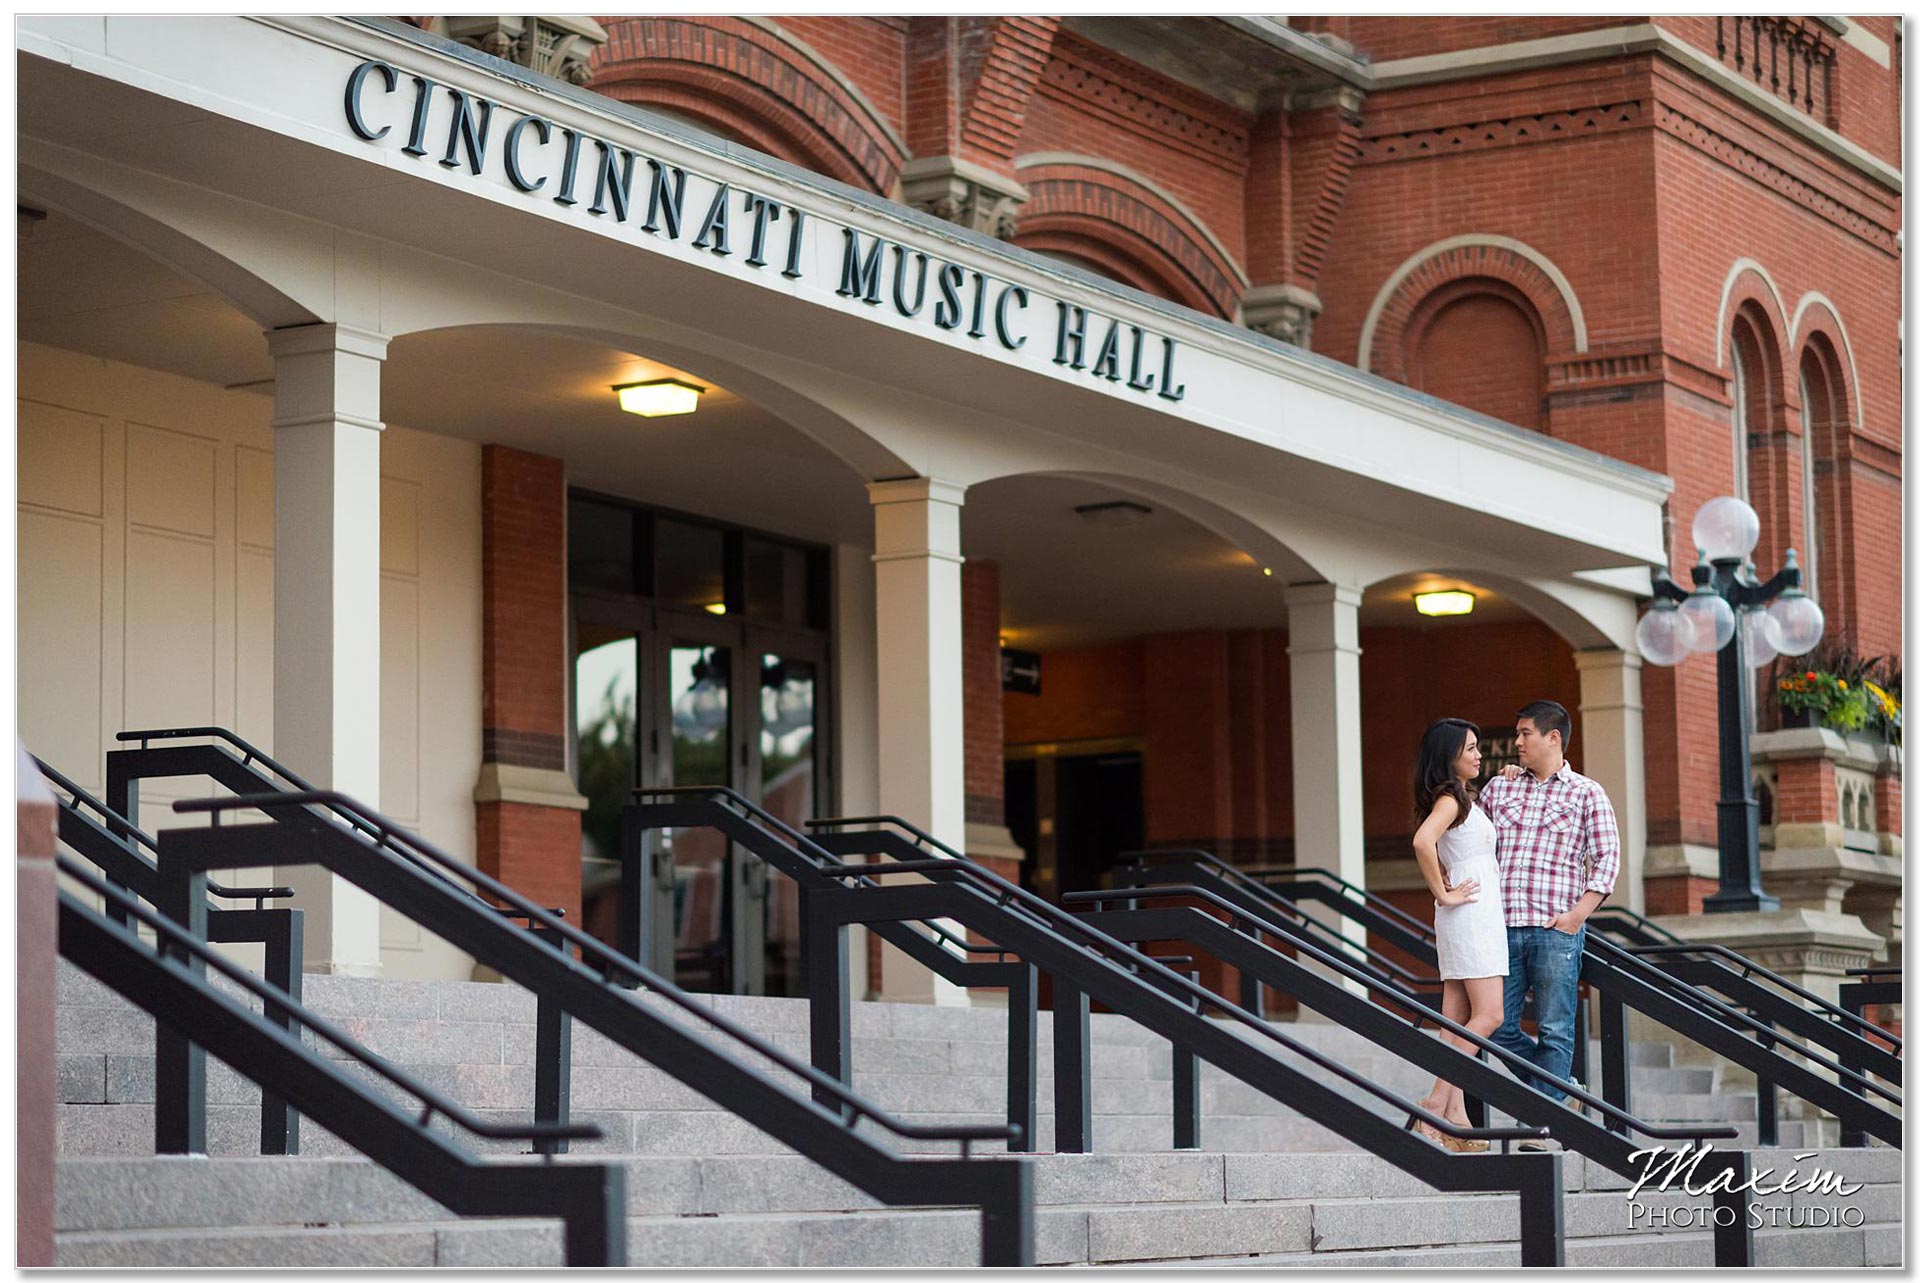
(1424, 1128)
(1465, 1145)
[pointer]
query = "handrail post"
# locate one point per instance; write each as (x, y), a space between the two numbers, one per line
(1252, 995)
(123, 800)
(1766, 1105)
(1578, 1069)
(823, 970)
(1072, 1070)
(180, 1066)
(1006, 1217)
(1851, 1002)
(1616, 1057)
(1732, 1234)
(285, 952)
(1543, 1230)
(1023, 1061)
(636, 924)
(1186, 1089)
(552, 1058)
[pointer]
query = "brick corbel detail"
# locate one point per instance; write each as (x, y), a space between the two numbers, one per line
(1303, 159)
(526, 809)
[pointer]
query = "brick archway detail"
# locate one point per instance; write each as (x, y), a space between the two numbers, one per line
(1520, 268)
(1131, 231)
(743, 80)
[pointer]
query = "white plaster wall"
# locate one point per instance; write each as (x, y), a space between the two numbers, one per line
(146, 593)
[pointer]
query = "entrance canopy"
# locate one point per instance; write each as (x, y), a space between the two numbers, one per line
(364, 173)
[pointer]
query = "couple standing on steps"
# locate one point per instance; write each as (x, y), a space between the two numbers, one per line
(1514, 873)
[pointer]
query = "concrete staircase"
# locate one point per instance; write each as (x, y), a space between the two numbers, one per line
(1269, 1187)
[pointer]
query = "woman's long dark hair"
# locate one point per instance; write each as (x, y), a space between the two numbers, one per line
(1433, 775)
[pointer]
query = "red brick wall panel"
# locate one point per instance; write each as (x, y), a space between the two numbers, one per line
(985, 715)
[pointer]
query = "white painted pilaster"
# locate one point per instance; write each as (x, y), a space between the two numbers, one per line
(920, 694)
(326, 603)
(1323, 655)
(1612, 721)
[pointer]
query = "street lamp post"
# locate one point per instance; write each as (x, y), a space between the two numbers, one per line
(1748, 623)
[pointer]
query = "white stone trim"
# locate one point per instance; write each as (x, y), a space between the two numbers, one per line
(1807, 301)
(528, 785)
(1406, 269)
(1862, 39)
(1522, 55)
(1033, 158)
(1721, 334)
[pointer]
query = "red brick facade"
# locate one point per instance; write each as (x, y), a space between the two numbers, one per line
(524, 662)
(1577, 244)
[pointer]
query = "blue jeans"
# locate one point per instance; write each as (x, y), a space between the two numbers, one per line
(1547, 962)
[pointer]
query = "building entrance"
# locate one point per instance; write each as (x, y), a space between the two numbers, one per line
(700, 657)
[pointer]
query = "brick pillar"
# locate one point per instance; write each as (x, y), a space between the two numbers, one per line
(36, 958)
(527, 810)
(985, 714)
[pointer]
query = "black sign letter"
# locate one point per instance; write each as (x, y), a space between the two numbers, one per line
(355, 121)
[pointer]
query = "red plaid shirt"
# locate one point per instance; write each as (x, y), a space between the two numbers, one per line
(1557, 840)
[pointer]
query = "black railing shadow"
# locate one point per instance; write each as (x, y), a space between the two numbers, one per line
(595, 988)
(167, 980)
(117, 847)
(1086, 966)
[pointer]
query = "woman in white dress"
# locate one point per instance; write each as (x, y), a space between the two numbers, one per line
(1455, 847)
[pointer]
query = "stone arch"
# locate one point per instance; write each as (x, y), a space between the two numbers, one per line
(1817, 327)
(1268, 549)
(1143, 236)
(1517, 266)
(234, 267)
(750, 81)
(1747, 284)
(808, 410)
(1570, 613)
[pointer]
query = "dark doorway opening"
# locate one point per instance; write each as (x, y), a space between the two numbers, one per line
(1073, 808)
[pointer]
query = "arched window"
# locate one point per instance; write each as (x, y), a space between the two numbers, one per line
(1809, 499)
(1742, 389)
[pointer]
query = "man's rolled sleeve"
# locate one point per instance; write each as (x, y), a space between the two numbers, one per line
(1603, 842)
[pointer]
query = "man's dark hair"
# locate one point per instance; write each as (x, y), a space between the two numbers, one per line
(1548, 716)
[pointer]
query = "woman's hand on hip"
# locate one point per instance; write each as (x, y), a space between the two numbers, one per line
(1467, 892)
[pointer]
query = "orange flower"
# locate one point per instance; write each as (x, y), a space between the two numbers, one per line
(1843, 685)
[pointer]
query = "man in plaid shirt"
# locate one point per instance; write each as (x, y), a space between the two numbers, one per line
(1559, 853)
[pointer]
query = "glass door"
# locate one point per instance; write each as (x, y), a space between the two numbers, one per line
(788, 779)
(700, 658)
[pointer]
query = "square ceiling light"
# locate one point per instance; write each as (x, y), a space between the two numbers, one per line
(657, 398)
(1452, 602)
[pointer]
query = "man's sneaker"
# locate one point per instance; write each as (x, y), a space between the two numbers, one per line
(1534, 1146)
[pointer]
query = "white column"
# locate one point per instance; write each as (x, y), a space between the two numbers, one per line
(1612, 722)
(1323, 657)
(917, 663)
(326, 603)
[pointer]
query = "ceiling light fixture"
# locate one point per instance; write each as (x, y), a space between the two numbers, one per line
(1119, 512)
(1451, 602)
(658, 397)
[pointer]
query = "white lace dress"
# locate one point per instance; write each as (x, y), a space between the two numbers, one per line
(1472, 937)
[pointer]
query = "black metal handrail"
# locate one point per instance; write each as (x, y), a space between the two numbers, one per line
(1421, 1013)
(1088, 964)
(607, 958)
(1009, 894)
(1625, 980)
(165, 980)
(594, 987)
(1692, 992)
(1748, 967)
(112, 843)
(436, 1103)
(142, 868)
